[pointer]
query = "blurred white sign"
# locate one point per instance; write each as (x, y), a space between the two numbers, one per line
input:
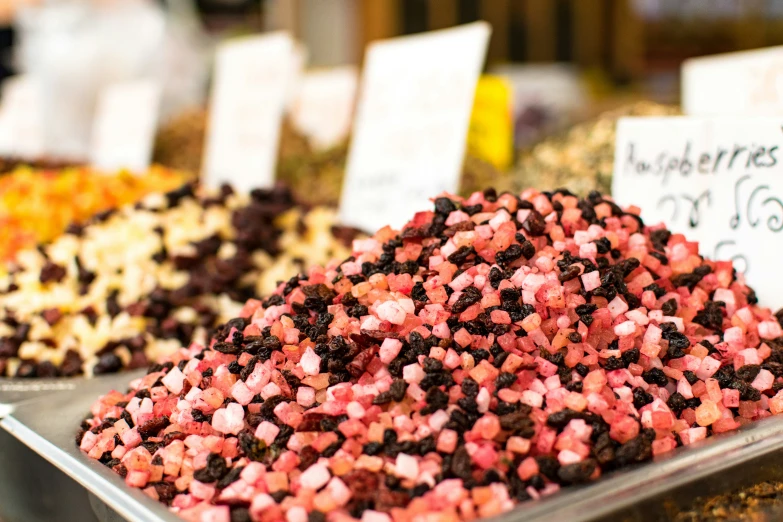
(299, 57)
(748, 83)
(411, 124)
(124, 129)
(324, 104)
(22, 118)
(718, 181)
(252, 75)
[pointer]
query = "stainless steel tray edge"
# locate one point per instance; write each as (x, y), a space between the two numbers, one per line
(624, 488)
(14, 391)
(130, 503)
(51, 436)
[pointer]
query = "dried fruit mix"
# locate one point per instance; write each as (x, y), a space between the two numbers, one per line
(145, 280)
(37, 205)
(496, 349)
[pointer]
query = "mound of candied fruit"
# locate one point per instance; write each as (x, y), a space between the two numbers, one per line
(137, 283)
(495, 350)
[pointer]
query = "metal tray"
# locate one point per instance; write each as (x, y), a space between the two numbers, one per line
(14, 391)
(48, 427)
(31, 489)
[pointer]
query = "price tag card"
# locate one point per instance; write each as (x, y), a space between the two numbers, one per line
(251, 79)
(748, 83)
(718, 181)
(411, 124)
(324, 103)
(123, 131)
(22, 132)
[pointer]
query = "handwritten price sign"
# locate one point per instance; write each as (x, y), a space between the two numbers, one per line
(718, 181)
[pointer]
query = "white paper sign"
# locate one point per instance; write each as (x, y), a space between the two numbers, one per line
(324, 103)
(718, 181)
(252, 75)
(411, 124)
(124, 128)
(22, 119)
(748, 83)
(299, 57)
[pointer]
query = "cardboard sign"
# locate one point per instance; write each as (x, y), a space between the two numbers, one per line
(491, 134)
(718, 181)
(22, 133)
(748, 83)
(411, 124)
(324, 103)
(124, 130)
(248, 99)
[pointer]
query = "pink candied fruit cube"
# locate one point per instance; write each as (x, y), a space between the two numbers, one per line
(406, 466)
(315, 477)
(624, 429)
(731, 398)
(617, 306)
(390, 348)
(216, 514)
(769, 330)
(518, 445)
(413, 373)
(763, 380)
(230, 419)
(625, 328)
(591, 280)
(305, 396)
(267, 432)
(131, 438)
(88, 441)
(527, 469)
(310, 362)
(173, 380)
(137, 478)
(447, 441)
(691, 435)
(776, 403)
(566, 457)
(463, 338)
(707, 368)
(500, 317)
(391, 311)
(242, 393)
(339, 492)
(375, 516)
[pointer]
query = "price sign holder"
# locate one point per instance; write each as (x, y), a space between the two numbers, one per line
(124, 128)
(747, 83)
(252, 78)
(718, 181)
(411, 123)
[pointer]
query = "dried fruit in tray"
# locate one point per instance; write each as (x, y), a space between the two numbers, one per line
(496, 349)
(140, 282)
(37, 205)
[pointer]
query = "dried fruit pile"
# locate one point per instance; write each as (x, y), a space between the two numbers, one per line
(495, 350)
(143, 281)
(37, 205)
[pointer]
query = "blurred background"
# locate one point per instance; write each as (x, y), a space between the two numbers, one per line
(558, 75)
(614, 43)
